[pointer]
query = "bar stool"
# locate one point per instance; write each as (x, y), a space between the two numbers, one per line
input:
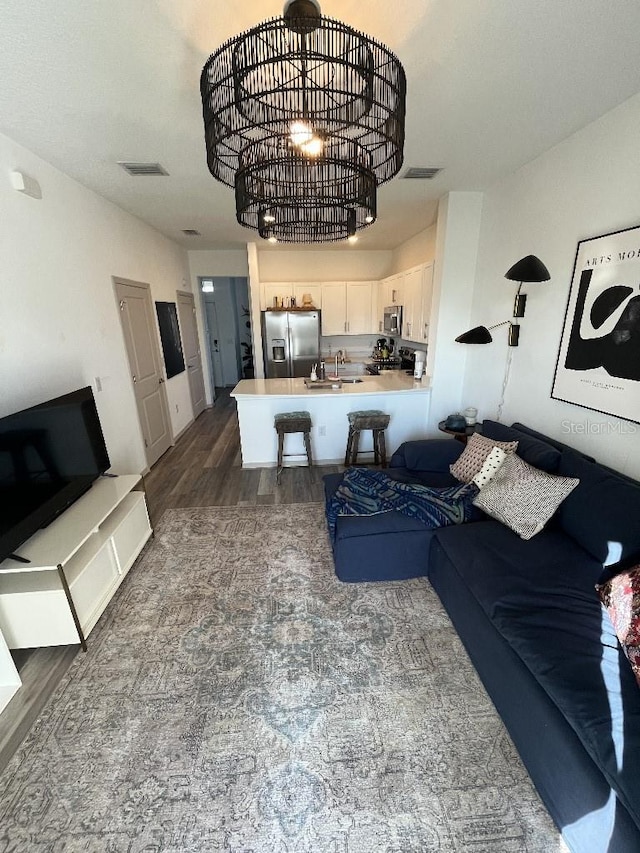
(292, 422)
(377, 422)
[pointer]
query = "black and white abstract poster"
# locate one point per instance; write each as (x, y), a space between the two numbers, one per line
(599, 358)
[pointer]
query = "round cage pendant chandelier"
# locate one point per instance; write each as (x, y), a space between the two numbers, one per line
(304, 118)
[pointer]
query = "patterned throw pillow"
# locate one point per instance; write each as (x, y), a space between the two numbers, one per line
(473, 456)
(491, 464)
(621, 598)
(523, 497)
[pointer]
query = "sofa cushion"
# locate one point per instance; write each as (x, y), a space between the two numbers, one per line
(366, 492)
(573, 788)
(434, 454)
(621, 598)
(523, 497)
(559, 445)
(539, 595)
(603, 513)
(495, 562)
(533, 450)
(476, 451)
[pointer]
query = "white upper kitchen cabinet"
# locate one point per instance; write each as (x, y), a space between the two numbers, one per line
(334, 308)
(273, 289)
(360, 296)
(418, 288)
(347, 307)
(427, 295)
(312, 289)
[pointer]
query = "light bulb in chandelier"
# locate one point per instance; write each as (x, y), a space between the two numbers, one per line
(300, 132)
(303, 137)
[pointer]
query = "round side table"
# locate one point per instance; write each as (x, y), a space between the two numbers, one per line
(459, 435)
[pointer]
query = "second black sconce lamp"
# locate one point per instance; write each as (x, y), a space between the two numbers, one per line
(529, 269)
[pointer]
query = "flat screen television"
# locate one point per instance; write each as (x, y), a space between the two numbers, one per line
(50, 454)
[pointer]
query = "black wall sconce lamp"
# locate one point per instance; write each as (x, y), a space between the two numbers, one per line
(528, 269)
(482, 335)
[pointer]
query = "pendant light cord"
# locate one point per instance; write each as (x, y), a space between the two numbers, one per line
(505, 382)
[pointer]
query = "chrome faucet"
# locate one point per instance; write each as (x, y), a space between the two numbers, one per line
(339, 357)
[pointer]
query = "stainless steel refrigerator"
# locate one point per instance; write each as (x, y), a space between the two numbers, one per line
(291, 341)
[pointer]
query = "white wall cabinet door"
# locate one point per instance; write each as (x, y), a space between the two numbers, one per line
(360, 307)
(313, 289)
(273, 289)
(427, 294)
(334, 308)
(412, 312)
(418, 290)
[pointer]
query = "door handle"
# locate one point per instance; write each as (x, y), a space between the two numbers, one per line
(135, 378)
(160, 381)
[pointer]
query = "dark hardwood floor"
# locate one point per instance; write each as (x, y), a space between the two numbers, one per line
(203, 468)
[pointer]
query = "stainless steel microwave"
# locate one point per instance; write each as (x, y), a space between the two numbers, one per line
(392, 320)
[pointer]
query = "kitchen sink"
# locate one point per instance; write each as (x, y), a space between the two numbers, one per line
(350, 379)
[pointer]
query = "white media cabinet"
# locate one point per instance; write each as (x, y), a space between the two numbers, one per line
(76, 565)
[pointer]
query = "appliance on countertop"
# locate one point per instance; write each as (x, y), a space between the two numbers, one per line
(382, 357)
(291, 342)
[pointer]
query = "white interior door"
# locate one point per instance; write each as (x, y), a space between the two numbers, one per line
(189, 333)
(143, 352)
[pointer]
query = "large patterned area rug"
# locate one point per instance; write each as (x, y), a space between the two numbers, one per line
(237, 697)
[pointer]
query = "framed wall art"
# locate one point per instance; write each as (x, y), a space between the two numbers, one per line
(598, 363)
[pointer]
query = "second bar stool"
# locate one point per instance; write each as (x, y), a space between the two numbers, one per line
(292, 422)
(377, 422)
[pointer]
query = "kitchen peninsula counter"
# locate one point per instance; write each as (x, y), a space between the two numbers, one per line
(405, 399)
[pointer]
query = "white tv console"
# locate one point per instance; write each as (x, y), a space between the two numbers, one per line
(75, 566)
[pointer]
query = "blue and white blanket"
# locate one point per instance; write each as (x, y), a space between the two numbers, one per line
(365, 492)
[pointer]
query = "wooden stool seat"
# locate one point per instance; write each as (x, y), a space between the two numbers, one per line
(375, 420)
(288, 422)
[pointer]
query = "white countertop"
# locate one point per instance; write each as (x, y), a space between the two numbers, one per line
(389, 382)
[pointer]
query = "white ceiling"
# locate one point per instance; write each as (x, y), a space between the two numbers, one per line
(491, 85)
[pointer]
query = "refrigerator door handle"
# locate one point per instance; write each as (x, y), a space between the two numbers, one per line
(289, 352)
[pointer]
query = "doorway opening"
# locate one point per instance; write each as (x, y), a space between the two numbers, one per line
(227, 317)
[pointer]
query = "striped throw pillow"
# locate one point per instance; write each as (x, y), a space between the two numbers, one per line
(523, 497)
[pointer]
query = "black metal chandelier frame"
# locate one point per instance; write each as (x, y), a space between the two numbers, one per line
(290, 83)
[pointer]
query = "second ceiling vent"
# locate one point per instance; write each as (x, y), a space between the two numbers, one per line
(422, 173)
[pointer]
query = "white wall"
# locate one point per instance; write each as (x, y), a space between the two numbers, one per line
(60, 321)
(586, 186)
(419, 249)
(458, 232)
(344, 264)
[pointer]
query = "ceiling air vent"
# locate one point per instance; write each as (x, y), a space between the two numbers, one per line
(143, 169)
(422, 173)
(191, 232)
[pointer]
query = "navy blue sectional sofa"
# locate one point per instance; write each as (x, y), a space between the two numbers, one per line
(531, 621)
